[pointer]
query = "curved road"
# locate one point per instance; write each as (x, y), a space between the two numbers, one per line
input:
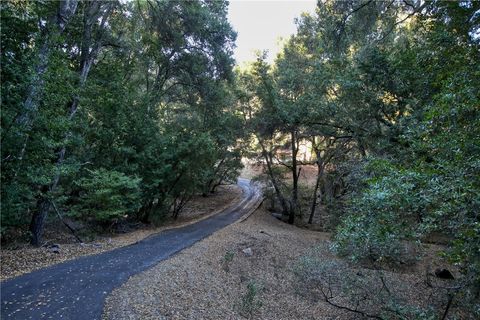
(77, 289)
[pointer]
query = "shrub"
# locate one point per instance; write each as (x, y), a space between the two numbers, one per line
(399, 206)
(382, 217)
(107, 195)
(227, 259)
(364, 292)
(250, 302)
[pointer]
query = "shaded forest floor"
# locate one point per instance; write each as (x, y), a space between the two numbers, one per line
(17, 258)
(250, 270)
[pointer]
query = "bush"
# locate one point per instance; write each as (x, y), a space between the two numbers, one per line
(227, 259)
(382, 217)
(250, 302)
(398, 207)
(364, 292)
(107, 195)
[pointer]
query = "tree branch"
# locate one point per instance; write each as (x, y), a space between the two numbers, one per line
(63, 221)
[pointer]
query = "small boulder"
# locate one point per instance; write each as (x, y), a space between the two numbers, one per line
(55, 248)
(248, 252)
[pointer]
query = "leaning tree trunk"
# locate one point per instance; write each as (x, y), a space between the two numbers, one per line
(88, 55)
(55, 27)
(278, 192)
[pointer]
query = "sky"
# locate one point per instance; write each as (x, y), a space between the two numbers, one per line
(261, 23)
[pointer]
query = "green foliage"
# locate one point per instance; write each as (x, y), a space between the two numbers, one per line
(155, 105)
(432, 185)
(395, 86)
(383, 215)
(391, 88)
(229, 256)
(250, 302)
(227, 259)
(107, 196)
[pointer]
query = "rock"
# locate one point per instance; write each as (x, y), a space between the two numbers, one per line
(248, 252)
(444, 274)
(55, 248)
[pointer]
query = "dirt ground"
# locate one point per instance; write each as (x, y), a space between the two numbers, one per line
(20, 258)
(246, 270)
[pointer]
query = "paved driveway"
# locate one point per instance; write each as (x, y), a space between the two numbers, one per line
(77, 289)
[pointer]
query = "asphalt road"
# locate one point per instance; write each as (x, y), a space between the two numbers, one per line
(77, 289)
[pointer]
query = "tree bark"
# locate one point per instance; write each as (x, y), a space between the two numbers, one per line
(294, 202)
(281, 198)
(212, 184)
(55, 26)
(65, 223)
(320, 167)
(144, 212)
(38, 221)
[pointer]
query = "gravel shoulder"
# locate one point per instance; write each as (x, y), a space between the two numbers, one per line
(24, 258)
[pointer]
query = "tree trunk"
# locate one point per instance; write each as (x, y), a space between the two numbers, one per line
(361, 147)
(315, 191)
(44, 204)
(294, 202)
(38, 221)
(88, 55)
(55, 27)
(143, 213)
(281, 198)
(212, 184)
(215, 186)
